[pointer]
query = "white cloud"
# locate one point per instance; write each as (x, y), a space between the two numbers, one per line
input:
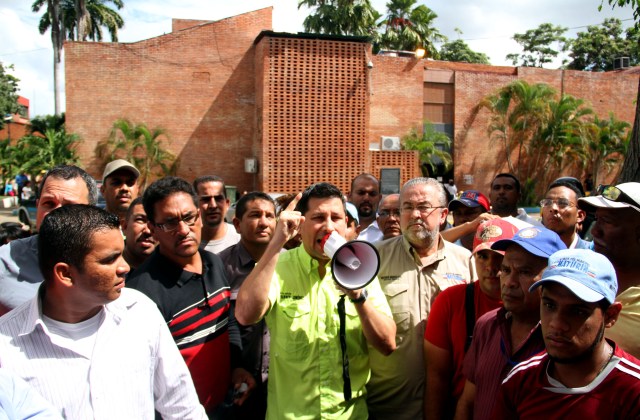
(487, 26)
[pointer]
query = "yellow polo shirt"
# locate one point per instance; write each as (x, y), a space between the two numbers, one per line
(626, 329)
(305, 371)
(396, 386)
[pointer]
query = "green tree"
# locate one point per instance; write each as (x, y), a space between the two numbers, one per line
(537, 45)
(61, 18)
(595, 49)
(56, 147)
(340, 17)
(607, 141)
(40, 124)
(459, 51)
(432, 146)
(631, 168)
(8, 93)
(408, 27)
(518, 112)
(141, 146)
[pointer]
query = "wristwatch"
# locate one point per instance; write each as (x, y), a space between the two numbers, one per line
(362, 298)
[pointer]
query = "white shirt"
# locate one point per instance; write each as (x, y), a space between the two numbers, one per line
(134, 368)
(371, 233)
(231, 237)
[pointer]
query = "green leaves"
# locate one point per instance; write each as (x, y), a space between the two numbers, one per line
(141, 146)
(432, 145)
(537, 45)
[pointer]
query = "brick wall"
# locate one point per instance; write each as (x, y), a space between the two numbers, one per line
(198, 83)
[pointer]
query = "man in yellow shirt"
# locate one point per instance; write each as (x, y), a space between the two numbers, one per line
(298, 297)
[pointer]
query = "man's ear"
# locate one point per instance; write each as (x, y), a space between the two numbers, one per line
(62, 274)
(102, 188)
(581, 215)
(443, 215)
(236, 224)
(611, 314)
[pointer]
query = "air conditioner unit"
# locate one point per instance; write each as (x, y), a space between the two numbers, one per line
(390, 143)
(621, 63)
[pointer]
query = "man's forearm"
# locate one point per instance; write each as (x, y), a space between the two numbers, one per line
(378, 328)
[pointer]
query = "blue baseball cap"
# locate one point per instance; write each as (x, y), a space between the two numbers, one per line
(536, 240)
(588, 275)
(353, 211)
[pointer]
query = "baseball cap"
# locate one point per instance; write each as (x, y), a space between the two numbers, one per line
(353, 211)
(470, 198)
(588, 275)
(536, 240)
(622, 196)
(495, 230)
(117, 165)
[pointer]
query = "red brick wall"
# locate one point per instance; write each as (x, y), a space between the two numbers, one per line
(198, 84)
(396, 96)
(407, 160)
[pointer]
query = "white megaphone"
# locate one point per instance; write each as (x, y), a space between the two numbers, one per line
(354, 264)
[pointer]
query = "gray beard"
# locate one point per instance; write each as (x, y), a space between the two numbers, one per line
(423, 238)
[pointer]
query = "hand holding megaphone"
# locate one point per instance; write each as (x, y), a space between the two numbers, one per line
(354, 264)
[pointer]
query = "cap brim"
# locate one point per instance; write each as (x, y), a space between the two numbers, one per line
(503, 244)
(577, 288)
(599, 201)
(486, 245)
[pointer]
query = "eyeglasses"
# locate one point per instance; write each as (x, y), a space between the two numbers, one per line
(189, 220)
(561, 203)
(206, 198)
(389, 212)
(422, 208)
(616, 194)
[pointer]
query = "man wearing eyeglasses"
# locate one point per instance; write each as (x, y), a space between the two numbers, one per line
(214, 205)
(616, 235)
(414, 269)
(191, 290)
(561, 214)
(389, 216)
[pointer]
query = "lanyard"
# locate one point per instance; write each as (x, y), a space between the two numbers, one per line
(343, 345)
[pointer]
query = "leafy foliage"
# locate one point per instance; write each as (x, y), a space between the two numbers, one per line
(8, 93)
(432, 145)
(98, 13)
(459, 51)
(141, 146)
(408, 27)
(537, 45)
(595, 49)
(340, 17)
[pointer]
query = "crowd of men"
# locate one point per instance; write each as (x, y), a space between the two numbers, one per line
(156, 306)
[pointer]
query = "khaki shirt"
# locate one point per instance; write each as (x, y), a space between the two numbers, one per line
(396, 385)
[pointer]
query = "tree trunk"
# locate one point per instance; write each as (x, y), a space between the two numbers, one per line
(631, 167)
(57, 39)
(82, 16)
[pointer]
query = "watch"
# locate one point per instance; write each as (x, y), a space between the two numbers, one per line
(362, 298)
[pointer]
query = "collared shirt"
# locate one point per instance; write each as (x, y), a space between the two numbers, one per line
(238, 264)
(306, 360)
(197, 309)
(20, 274)
(371, 233)
(135, 366)
(230, 237)
(529, 392)
(490, 357)
(397, 381)
(625, 330)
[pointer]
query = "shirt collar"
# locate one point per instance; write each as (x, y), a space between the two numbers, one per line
(438, 256)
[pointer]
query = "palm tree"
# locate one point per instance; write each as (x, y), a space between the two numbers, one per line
(341, 17)
(607, 143)
(61, 17)
(39, 125)
(141, 146)
(518, 112)
(432, 145)
(408, 27)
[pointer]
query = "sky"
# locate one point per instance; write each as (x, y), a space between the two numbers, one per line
(486, 25)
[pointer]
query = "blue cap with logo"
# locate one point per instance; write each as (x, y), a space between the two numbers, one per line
(588, 275)
(353, 212)
(536, 240)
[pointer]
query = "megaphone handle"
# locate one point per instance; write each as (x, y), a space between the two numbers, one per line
(342, 314)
